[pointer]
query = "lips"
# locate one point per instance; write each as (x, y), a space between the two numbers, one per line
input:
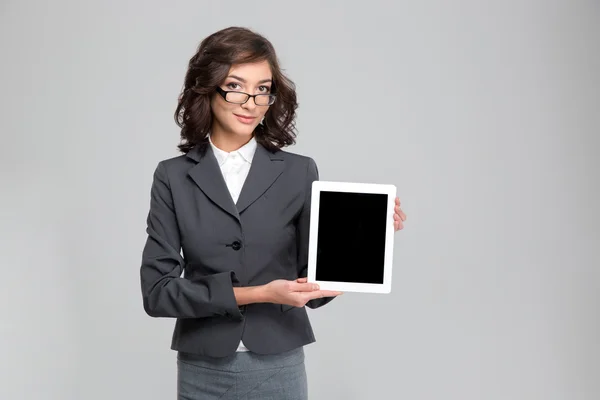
(244, 118)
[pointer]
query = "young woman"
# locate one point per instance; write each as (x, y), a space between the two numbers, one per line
(227, 247)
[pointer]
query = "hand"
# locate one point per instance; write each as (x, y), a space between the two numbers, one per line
(399, 216)
(295, 293)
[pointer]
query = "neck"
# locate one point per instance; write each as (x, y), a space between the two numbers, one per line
(228, 141)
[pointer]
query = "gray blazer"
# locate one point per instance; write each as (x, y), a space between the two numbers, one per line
(195, 228)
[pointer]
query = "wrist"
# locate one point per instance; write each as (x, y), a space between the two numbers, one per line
(262, 294)
(252, 294)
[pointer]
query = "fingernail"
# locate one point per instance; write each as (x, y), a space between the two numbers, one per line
(315, 287)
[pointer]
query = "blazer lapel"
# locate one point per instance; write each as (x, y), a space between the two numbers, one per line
(265, 169)
(207, 175)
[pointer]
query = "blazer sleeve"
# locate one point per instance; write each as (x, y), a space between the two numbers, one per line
(165, 293)
(303, 229)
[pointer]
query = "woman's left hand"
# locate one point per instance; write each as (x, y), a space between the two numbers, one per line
(399, 216)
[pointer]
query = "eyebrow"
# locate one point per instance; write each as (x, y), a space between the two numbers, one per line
(243, 80)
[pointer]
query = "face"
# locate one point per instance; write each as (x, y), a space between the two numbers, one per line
(241, 119)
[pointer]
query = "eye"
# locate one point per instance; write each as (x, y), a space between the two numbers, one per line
(232, 86)
(265, 89)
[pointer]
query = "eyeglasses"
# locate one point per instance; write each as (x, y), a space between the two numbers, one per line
(242, 98)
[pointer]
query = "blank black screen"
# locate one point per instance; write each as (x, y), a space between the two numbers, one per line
(351, 238)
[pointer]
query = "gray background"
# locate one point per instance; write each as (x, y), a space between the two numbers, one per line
(485, 115)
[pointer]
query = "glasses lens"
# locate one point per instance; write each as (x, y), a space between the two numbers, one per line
(264, 100)
(235, 97)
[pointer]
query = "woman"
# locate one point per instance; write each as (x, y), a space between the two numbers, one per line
(232, 215)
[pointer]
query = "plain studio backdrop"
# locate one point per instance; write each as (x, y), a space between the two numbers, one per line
(486, 116)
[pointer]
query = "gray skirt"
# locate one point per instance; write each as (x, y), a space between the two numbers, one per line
(244, 375)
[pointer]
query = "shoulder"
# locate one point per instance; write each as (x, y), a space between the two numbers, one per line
(169, 170)
(175, 164)
(306, 164)
(297, 160)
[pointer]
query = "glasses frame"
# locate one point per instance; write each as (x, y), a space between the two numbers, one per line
(223, 94)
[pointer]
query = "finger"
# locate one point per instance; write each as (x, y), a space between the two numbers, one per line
(397, 217)
(304, 287)
(330, 293)
(397, 200)
(400, 213)
(319, 294)
(302, 280)
(326, 293)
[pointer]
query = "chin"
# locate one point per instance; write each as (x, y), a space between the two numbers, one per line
(244, 130)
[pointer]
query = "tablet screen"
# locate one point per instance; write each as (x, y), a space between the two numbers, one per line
(352, 237)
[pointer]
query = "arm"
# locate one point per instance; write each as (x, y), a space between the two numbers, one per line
(164, 292)
(251, 294)
(302, 231)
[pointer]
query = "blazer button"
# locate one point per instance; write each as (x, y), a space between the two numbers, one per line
(236, 245)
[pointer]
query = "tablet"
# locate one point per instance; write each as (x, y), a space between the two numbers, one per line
(351, 236)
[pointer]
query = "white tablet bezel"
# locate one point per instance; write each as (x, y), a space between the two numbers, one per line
(353, 187)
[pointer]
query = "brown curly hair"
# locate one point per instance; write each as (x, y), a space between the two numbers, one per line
(208, 68)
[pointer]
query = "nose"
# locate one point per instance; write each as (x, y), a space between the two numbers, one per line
(250, 104)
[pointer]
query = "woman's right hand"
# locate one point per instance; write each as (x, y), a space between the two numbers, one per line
(295, 293)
